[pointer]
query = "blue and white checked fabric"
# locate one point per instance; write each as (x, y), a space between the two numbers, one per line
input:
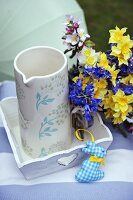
(90, 171)
(117, 183)
(94, 149)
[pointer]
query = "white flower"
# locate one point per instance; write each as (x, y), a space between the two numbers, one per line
(87, 36)
(81, 58)
(72, 39)
(67, 44)
(81, 33)
(80, 44)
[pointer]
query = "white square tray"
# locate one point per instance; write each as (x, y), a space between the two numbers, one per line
(32, 168)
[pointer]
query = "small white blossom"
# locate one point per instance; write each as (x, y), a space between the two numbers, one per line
(81, 58)
(87, 36)
(72, 39)
(81, 33)
(80, 44)
(67, 44)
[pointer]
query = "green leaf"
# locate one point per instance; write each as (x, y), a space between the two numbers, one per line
(89, 43)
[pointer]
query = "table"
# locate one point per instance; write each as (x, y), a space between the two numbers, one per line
(116, 185)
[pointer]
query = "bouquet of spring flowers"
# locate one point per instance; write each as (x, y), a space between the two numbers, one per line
(100, 80)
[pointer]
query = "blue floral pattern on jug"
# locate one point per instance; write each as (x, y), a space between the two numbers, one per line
(20, 91)
(43, 153)
(26, 147)
(43, 100)
(46, 129)
(59, 146)
(61, 112)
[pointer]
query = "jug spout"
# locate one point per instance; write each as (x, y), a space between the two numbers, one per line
(19, 76)
(28, 82)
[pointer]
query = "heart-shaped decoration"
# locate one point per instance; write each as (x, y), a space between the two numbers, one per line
(67, 160)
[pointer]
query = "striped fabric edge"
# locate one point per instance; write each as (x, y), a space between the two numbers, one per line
(69, 191)
(118, 167)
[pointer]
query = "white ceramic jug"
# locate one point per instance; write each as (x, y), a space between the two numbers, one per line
(41, 76)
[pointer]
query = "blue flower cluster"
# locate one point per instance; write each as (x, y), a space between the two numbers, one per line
(84, 98)
(128, 89)
(98, 72)
(127, 69)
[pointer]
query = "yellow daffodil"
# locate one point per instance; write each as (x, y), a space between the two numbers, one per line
(119, 117)
(127, 79)
(117, 120)
(100, 93)
(88, 56)
(85, 80)
(100, 88)
(100, 84)
(122, 58)
(114, 74)
(103, 61)
(126, 44)
(109, 114)
(124, 115)
(122, 101)
(77, 77)
(116, 35)
(108, 101)
(90, 59)
(123, 50)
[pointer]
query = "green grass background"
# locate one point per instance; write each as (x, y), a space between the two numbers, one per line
(102, 15)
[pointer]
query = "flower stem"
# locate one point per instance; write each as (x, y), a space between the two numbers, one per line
(122, 130)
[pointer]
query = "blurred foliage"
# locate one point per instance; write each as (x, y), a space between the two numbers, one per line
(102, 15)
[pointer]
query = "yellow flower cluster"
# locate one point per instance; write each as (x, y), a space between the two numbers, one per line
(100, 88)
(117, 105)
(122, 50)
(104, 63)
